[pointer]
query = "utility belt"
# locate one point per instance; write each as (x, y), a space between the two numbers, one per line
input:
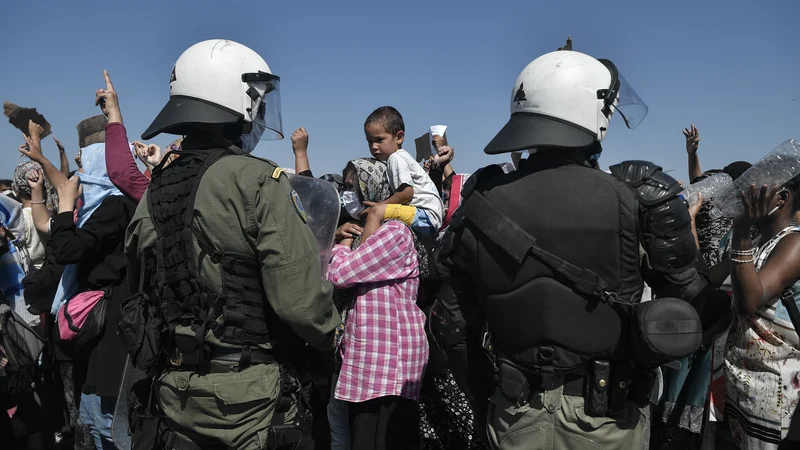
(216, 357)
(605, 386)
(149, 430)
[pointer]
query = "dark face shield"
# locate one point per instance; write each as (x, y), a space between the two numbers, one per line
(621, 97)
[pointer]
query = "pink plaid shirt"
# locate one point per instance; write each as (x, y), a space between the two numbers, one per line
(384, 347)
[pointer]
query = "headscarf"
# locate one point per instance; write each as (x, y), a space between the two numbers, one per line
(95, 181)
(372, 181)
(20, 183)
(97, 186)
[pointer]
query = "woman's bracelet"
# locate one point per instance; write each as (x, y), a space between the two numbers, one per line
(743, 261)
(750, 252)
(38, 203)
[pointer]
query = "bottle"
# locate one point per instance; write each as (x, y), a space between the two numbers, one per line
(708, 188)
(777, 167)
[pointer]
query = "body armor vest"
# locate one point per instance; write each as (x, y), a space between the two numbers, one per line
(547, 300)
(237, 314)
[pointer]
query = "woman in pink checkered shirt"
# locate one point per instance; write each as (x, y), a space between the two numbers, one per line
(384, 349)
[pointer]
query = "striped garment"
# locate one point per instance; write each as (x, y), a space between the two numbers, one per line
(384, 349)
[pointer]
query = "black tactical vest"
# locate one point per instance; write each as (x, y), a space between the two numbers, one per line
(537, 318)
(185, 298)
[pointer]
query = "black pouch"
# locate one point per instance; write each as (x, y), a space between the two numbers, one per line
(143, 419)
(595, 395)
(142, 330)
(513, 382)
(664, 330)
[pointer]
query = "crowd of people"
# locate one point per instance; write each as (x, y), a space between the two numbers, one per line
(497, 309)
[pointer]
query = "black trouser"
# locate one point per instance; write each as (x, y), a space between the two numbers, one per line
(384, 423)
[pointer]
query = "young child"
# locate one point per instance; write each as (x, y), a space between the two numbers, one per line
(415, 199)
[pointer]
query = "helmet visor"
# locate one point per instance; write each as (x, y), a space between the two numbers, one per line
(265, 94)
(623, 98)
(630, 106)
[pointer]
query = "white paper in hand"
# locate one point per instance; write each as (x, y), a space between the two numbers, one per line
(437, 130)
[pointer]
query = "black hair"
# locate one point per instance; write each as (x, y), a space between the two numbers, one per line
(8, 183)
(793, 186)
(387, 117)
(737, 168)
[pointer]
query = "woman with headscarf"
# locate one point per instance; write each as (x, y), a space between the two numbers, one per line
(383, 349)
(91, 248)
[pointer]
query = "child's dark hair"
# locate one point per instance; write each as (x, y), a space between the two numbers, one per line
(8, 183)
(387, 117)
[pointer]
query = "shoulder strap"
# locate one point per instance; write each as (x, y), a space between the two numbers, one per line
(518, 243)
(787, 298)
(787, 295)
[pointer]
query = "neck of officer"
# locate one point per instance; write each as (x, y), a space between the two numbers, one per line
(551, 158)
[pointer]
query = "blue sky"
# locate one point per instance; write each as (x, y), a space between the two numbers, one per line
(732, 68)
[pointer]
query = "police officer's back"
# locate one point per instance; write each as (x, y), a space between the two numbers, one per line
(548, 258)
(220, 244)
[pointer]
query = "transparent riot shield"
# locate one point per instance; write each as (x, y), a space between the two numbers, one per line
(120, 432)
(319, 203)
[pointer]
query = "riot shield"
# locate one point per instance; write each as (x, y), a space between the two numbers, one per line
(120, 432)
(318, 203)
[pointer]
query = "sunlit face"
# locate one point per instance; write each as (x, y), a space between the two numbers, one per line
(382, 143)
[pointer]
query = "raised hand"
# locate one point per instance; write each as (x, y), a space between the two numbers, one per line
(692, 139)
(300, 140)
(35, 179)
(150, 155)
(59, 144)
(756, 203)
(108, 101)
(445, 155)
(68, 192)
(33, 143)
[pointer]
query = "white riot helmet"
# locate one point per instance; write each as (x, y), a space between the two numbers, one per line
(566, 99)
(222, 82)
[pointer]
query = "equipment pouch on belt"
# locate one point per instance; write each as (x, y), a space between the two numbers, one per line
(144, 420)
(664, 330)
(513, 383)
(596, 389)
(143, 330)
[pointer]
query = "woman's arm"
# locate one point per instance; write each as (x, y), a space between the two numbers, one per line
(383, 257)
(39, 211)
(62, 153)
(752, 288)
(33, 150)
(71, 244)
(122, 168)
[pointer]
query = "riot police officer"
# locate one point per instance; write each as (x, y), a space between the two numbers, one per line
(220, 249)
(546, 267)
